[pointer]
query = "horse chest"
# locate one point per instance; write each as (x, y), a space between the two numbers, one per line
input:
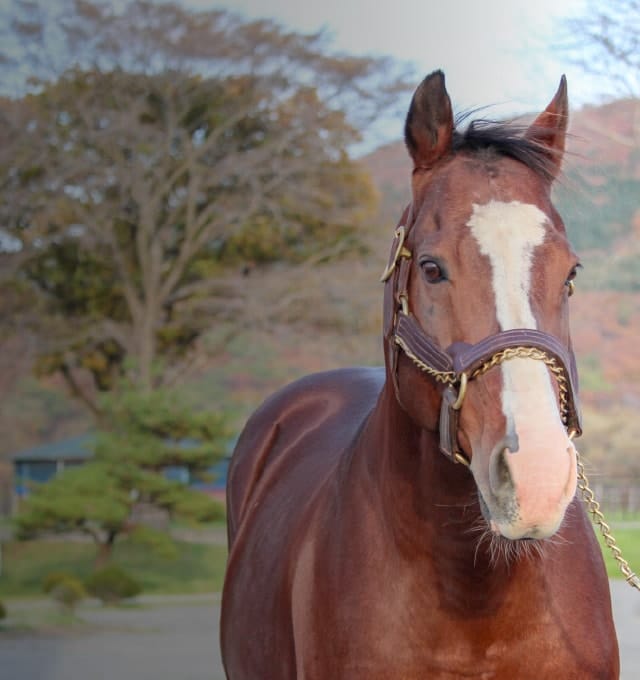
(407, 632)
(409, 650)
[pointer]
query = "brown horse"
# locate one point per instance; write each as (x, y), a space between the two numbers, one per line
(357, 550)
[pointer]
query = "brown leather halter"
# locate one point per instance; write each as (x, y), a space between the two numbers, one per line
(454, 367)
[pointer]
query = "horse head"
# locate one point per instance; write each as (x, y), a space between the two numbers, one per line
(476, 308)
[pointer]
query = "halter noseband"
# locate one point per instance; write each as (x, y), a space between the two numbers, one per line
(454, 367)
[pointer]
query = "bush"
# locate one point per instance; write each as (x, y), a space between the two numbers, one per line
(51, 580)
(3, 610)
(112, 584)
(67, 592)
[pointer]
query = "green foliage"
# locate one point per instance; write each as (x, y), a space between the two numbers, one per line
(143, 434)
(159, 543)
(297, 232)
(68, 592)
(112, 584)
(52, 579)
(3, 610)
(167, 431)
(88, 498)
(78, 282)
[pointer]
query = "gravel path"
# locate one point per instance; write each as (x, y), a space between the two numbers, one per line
(177, 639)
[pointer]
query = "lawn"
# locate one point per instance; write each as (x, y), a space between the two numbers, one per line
(196, 569)
(628, 540)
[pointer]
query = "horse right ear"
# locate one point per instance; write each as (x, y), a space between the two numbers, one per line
(428, 129)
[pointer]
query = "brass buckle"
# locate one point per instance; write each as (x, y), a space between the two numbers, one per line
(401, 251)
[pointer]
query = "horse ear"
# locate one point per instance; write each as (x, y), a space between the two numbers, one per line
(549, 129)
(428, 129)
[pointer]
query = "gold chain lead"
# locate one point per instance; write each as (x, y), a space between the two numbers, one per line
(594, 508)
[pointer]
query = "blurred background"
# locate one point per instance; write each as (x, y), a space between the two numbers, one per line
(196, 202)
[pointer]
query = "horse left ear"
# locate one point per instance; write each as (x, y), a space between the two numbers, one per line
(428, 129)
(549, 129)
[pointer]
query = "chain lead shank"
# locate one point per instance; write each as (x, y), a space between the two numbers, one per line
(594, 508)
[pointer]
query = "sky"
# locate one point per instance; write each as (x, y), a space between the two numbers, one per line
(503, 53)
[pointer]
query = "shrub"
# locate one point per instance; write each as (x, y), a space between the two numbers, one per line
(112, 584)
(67, 592)
(3, 610)
(51, 580)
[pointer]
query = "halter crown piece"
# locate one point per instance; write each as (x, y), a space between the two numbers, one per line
(454, 367)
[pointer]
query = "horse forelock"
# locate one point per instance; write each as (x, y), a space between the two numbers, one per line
(507, 140)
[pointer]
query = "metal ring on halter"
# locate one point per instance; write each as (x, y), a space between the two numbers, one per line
(459, 458)
(401, 251)
(404, 301)
(457, 404)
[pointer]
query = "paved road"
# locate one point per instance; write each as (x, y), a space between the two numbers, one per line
(177, 639)
(626, 610)
(170, 639)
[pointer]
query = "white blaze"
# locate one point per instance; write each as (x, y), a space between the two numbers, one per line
(508, 234)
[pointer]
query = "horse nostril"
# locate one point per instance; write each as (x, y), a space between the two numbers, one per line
(500, 479)
(500, 473)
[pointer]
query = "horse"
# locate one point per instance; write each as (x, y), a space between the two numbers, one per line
(420, 520)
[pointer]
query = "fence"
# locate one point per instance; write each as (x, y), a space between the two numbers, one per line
(621, 499)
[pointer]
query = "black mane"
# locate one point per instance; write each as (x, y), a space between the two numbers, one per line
(505, 139)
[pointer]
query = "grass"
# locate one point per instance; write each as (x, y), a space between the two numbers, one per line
(48, 616)
(196, 569)
(628, 540)
(620, 518)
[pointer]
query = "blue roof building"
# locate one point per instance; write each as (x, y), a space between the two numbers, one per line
(40, 463)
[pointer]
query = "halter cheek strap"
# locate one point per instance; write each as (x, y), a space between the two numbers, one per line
(454, 367)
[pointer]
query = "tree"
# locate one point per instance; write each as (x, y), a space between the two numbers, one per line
(605, 40)
(149, 435)
(141, 197)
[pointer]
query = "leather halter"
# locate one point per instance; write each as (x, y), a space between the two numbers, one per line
(461, 362)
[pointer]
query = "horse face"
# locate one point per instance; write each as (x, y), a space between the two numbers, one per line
(490, 254)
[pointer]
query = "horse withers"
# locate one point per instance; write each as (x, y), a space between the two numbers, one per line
(358, 551)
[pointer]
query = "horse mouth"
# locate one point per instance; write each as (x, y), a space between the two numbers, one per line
(499, 548)
(489, 518)
(510, 514)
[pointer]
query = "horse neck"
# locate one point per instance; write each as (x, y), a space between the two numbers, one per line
(426, 503)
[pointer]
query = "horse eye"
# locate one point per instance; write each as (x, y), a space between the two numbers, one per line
(432, 271)
(569, 283)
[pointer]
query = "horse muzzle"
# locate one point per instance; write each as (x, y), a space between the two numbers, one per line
(527, 483)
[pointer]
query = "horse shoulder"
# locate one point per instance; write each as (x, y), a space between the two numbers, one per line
(310, 421)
